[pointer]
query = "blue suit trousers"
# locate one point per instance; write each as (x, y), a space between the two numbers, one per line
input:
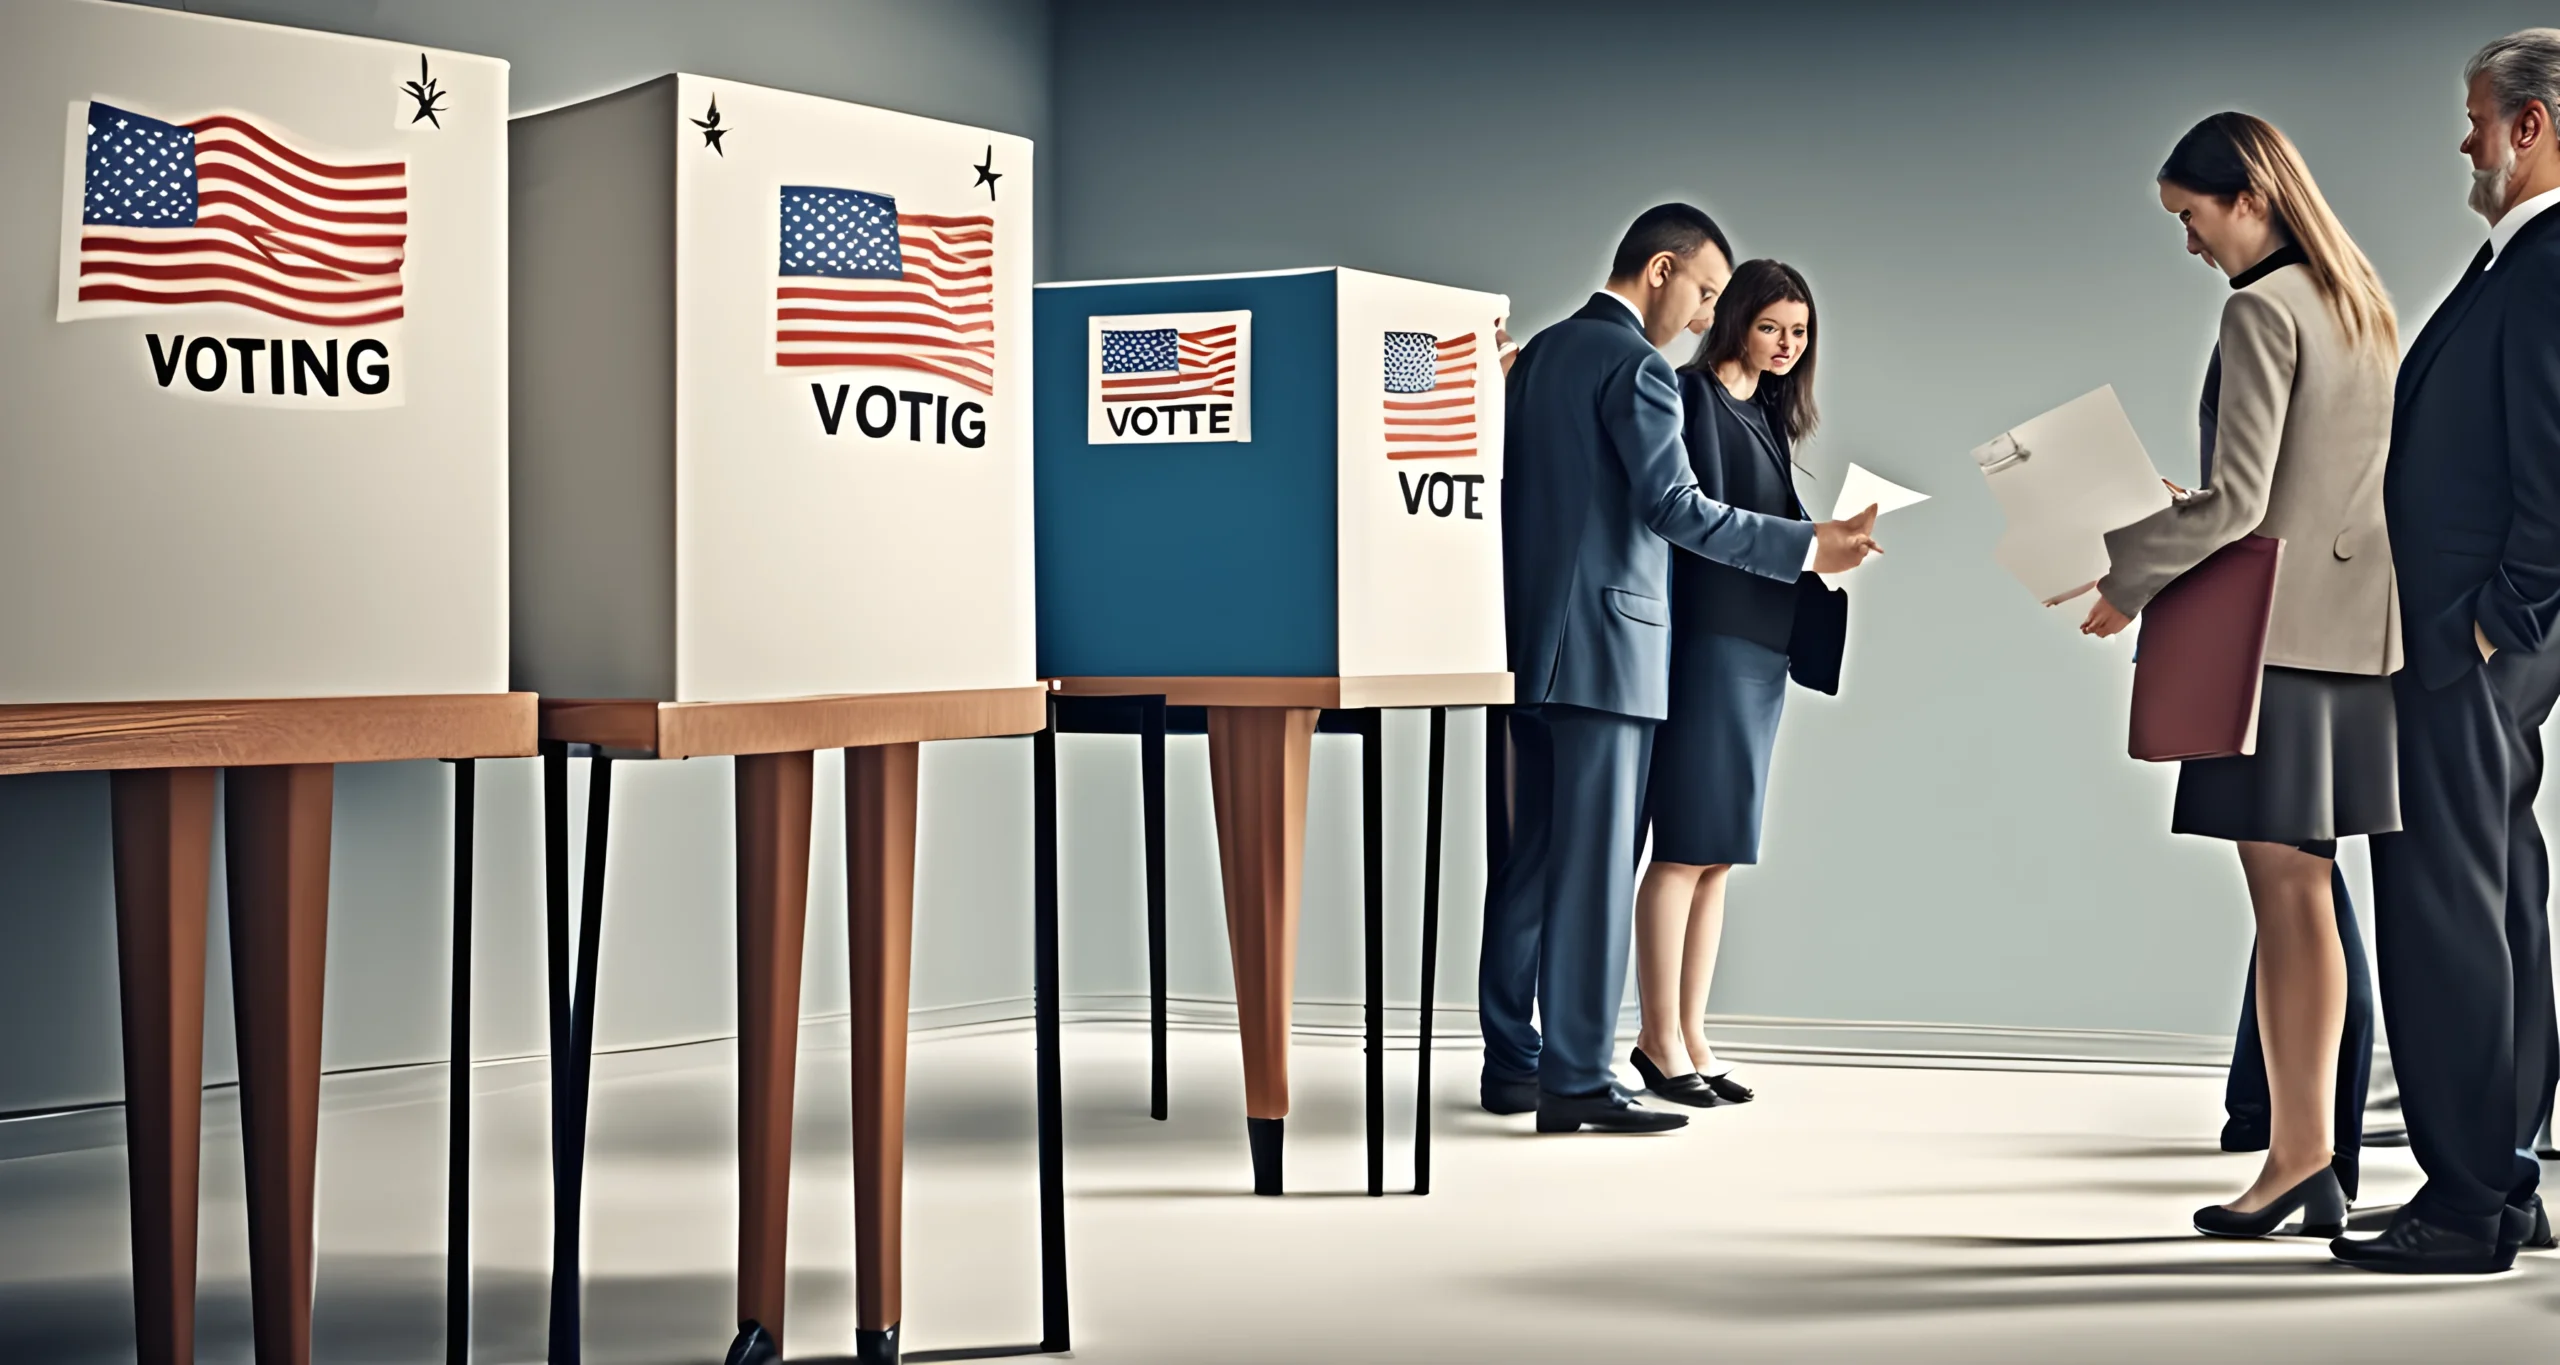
(1558, 911)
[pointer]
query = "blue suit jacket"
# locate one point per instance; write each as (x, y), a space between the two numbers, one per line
(2472, 490)
(1596, 490)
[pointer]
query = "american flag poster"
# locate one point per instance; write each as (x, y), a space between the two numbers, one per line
(1430, 399)
(865, 286)
(1166, 378)
(227, 210)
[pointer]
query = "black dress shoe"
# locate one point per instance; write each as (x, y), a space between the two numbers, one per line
(2527, 1226)
(1691, 1089)
(2414, 1246)
(2244, 1135)
(1509, 1097)
(754, 1346)
(1728, 1089)
(2322, 1204)
(1610, 1111)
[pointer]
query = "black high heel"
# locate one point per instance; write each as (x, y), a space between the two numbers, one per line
(2322, 1204)
(1691, 1089)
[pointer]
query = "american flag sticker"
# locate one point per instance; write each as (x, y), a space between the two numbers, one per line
(863, 285)
(228, 210)
(1430, 398)
(1170, 378)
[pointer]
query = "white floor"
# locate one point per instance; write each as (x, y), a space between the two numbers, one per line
(1855, 1213)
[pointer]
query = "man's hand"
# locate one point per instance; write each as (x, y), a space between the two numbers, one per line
(1840, 546)
(2481, 638)
(2104, 620)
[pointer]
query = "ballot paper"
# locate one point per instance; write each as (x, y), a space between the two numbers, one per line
(1862, 488)
(2064, 480)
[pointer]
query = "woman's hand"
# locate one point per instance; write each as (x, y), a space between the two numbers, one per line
(2104, 620)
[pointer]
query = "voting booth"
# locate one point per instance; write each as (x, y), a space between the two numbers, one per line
(1275, 496)
(772, 494)
(252, 517)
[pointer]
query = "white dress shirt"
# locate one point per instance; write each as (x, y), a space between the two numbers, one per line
(2505, 229)
(1813, 549)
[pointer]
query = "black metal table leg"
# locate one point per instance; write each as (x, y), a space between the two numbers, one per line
(1431, 821)
(1497, 787)
(572, 1023)
(1373, 838)
(457, 1183)
(1044, 1016)
(1151, 785)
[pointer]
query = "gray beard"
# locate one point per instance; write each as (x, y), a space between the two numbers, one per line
(2489, 187)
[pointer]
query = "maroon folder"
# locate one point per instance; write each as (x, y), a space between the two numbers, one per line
(2204, 647)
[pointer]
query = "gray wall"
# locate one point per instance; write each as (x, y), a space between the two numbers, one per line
(1969, 188)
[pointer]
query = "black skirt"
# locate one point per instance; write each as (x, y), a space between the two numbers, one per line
(1710, 772)
(2327, 765)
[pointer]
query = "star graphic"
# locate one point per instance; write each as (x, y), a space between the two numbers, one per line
(712, 132)
(988, 175)
(428, 94)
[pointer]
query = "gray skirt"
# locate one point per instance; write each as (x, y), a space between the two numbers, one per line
(2327, 765)
(1710, 773)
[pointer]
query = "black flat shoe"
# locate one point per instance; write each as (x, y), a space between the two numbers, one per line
(1610, 1111)
(1691, 1089)
(1509, 1097)
(2528, 1225)
(2414, 1246)
(1729, 1090)
(2322, 1205)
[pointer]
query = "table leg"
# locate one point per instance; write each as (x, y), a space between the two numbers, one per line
(1054, 1336)
(774, 793)
(1258, 779)
(1432, 802)
(457, 1141)
(1151, 791)
(880, 867)
(573, 1024)
(276, 828)
(163, 869)
(1373, 935)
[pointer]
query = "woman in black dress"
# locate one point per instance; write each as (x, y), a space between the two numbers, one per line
(1748, 399)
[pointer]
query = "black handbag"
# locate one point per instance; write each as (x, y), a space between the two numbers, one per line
(1821, 636)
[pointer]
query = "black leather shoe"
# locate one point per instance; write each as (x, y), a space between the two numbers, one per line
(2526, 1227)
(2414, 1246)
(1610, 1111)
(1691, 1089)
(2244, 1135)
(2322, 1204)
(754, 1346)
(1729, 1090)
(1509, 1097)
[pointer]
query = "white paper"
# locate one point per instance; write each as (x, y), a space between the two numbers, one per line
(2064, 480)
(1862, 487)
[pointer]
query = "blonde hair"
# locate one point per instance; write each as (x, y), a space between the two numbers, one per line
(2230, 153)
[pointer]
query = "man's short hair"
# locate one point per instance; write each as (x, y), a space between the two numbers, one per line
(1677, 228)
(2522, 67)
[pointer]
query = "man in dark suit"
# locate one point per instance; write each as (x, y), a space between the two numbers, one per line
(2472, 494)
(1596, 490)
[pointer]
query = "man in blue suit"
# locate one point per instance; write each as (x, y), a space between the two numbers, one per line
(1597, 488)
(2471, 495)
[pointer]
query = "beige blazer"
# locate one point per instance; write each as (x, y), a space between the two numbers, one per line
(2301, 432)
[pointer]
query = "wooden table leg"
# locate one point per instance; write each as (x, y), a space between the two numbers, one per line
(1258, 779)
(276, 828)
(880, 869)
(164, 865)
(774, 792)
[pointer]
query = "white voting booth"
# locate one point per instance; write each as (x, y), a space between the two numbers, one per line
(772, 416)
(772, 495)
(254, 361)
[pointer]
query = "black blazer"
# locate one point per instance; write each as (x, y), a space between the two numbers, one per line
(1736, 466)
(2472, 490)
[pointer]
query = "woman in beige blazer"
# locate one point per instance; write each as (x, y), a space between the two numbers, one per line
(2299, 429)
